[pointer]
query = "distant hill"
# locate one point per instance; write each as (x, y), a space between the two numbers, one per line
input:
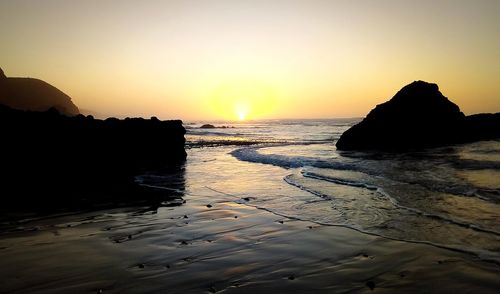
(34, 95)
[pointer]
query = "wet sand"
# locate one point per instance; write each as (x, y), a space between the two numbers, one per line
(211, 245)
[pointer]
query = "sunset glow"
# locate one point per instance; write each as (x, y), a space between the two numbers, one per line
(243, 99)
(282, 59)
(242, 111)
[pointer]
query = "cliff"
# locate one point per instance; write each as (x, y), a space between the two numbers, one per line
(418, 116)
(35, 95)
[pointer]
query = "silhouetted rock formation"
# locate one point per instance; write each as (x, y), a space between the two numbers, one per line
(418, 116)
(483, 126)
(50, 160)
(207, 126)
(33, 94)
(3, 85)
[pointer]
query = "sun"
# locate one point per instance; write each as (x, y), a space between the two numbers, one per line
(242, 100)
(241, 109)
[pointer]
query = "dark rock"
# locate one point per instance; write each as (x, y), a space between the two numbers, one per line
(418, 116)
(210, 126)
(209, 205)
(3, 86)
(51, 161)
(35, 95)
(483, 126)
(207, 126)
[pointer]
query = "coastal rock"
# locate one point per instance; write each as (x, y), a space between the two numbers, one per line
(483, 126)
(207, 126)
(35, 95)
(3, 85)
(52, 160)
(418, 116)
(210, 126)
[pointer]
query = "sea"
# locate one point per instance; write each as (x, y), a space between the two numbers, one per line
(445, 197)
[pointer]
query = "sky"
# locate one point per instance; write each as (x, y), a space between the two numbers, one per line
(236, 59)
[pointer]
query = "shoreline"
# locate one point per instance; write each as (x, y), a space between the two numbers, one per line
(228, 247)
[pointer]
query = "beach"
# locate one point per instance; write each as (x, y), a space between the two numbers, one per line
(228, 248)
(223, 238)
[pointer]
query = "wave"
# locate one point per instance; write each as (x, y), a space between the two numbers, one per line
(393, 201)
(233, 142)
(251, 154)
(351, 183)
(377, 167)
(200, 132)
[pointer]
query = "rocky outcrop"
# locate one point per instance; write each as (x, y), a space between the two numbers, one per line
(483, 126)
(52, 160)
(3, 85)
(207, 126)
(35, 95)
(418, 116)
(210, 126)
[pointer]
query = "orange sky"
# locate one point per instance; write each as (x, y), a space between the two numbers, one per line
(258, 59)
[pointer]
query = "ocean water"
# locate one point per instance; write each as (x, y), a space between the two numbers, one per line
(445, 197)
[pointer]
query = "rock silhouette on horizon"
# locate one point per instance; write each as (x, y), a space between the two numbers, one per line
(207, 126)
(34, 95)
(418, 116)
